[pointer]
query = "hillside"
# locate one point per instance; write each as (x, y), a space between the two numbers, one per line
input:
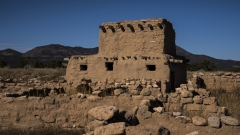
(221, 64)
(58, 52)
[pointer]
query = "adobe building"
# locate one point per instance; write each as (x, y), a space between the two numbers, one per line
(132, 49)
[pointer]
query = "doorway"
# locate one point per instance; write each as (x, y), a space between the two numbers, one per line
(172, 80)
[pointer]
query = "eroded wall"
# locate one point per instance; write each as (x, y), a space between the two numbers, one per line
(217, 80)
(124, 67)
(153, 36)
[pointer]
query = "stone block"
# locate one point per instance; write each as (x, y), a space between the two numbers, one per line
(209, 100)
(211, 108)
(197, 99)
(158, 109)
(48, 119)
(186, 100)
(183, 119)
(91, 126)
(194, 107)
(111, 129)
(199, 121)
(229, 120)
(145, 92)
(214, 122)
(143, 112)
(186, 94)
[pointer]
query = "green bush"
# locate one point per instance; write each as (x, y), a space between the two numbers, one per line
(205, 65)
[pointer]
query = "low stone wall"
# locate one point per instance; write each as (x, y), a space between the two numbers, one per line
(216, 80)
(137, 102)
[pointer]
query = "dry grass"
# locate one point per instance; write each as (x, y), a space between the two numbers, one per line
(43, 131)
(42, 73)
(230, 100)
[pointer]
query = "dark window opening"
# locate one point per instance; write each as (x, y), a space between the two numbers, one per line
(109, 66)
(122, 28)
(150, 26)
(160, 26)
(83, 67)
(151, 67)
(102, 28)
(131, 27)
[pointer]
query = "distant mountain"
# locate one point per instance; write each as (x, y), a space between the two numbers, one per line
(10, 52)
(221, 64)
(58, 52)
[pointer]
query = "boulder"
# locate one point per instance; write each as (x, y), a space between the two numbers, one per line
(151, 129)
(197, 99)
(103, 112)
(145, 102)
(186, 100)
(117, 92)
(229, 120)
(162, 98)
(158, 109)
(134, 92)
(145, 92)
(175, 114)
(80, 95)
(131, 119)
(183, 119)
(211, 108)
(93, 124)
(143, 112)
(97, 93)
(203, 92)
(194, 107)
(214, 122)
(199, 121)
(209, 100)
(193, 133)
(111, 129)
(186, 94)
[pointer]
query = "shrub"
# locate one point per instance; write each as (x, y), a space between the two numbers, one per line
(205, 65)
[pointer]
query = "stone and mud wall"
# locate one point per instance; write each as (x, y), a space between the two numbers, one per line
(132, 107)
(216, 80)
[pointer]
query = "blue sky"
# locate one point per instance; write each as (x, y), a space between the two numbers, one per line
(210, 27)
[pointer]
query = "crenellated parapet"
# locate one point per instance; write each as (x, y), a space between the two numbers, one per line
(152, 36)
(142, 25)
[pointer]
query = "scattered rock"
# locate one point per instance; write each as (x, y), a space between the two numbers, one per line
(145, 92)
(158, 109)
(229, 120)
(183, 119)
(175, 114)
(111, 129)
(117, 92)
(214, 122)
(193, 133)
(103, 112)
(93, 124)
(199, 121)
(151, 129)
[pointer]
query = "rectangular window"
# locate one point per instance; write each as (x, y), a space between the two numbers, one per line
(151, 67)
(83, 67)
(109, 66)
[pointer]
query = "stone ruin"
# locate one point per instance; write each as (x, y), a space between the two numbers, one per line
(132, 49)
(116, 100)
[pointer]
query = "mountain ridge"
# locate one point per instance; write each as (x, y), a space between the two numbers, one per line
(58, 52)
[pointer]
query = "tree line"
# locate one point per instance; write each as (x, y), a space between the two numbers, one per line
(29, 63)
